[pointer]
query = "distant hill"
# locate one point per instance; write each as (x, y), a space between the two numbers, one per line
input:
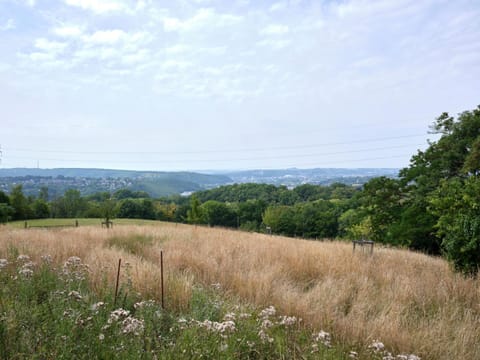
(321, 176)
(161, 183)
(89, 181)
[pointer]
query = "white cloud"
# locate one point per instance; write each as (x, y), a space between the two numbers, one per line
(278, 6)
(275, 44)
(9, 25)
(202, 18)
(105, 37)
(50, 46)
(99, 6)
(68, 31)
(275, 29)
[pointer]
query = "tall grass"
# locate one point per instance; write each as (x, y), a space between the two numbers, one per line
(411, 302)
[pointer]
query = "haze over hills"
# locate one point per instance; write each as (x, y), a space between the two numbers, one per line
(160, 183)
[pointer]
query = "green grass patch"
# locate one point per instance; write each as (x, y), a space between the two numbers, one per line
(134, 244)
(81, 222)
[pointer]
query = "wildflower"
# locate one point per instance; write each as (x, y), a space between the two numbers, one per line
(217, 286)
(407, 357)
(118, 314)
(323, 337)
(101, 337)
(74, 270)
(269, 311)
(3, 263)
(287, 320)
(250, 344)
(266, 324)
(143, 304)
(265, 337)
(229, 316)
(95, 307)
(27, 267)
(75, 295)
(388, 356)
(353, 354)
(47, 259)
(23, 258)
(25, 271)
(131, 325)
(220, 327)
(377, 346)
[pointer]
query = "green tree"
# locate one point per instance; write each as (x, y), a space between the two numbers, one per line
(6, 212)
(216, 213)
(280, 219)
(40, 209)
(19, 203)
(194, 214)
(382, 202)
(456, 202)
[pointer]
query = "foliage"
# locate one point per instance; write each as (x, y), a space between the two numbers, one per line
(194, 214)
(216, 213)
(457, 203)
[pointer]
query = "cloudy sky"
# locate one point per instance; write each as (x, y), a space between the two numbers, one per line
(210, 84)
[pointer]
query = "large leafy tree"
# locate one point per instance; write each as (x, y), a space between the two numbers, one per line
(440, 211)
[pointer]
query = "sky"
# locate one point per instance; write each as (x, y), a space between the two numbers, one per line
(221, 85)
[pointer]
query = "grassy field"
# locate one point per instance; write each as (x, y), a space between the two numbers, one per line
(81, 222)
(412, 303)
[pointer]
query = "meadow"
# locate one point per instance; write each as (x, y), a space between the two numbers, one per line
(408, 302)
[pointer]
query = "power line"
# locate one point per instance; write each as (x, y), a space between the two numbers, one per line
(218, 150)
(277, 157)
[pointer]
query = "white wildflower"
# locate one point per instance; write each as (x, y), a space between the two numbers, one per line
(23, 258)
(245, 316)
(388, 356)
(75, 295)
(3, 263)
(269, 311)
(408, 357)
(220, 327)
(353, 354)
(217, 286)
(101, 337)
(118, 314)
(143, 304)
(229, 316)
(287, 320)
(323, 337)
(266, 324)
(47, 259)
(25, 272)
(265, 337)
(377, 346)
(73, 269)
(97, 306)
(131, 325)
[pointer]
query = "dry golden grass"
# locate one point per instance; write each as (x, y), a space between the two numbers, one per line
(411, 302)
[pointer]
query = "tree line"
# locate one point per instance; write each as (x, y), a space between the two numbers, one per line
(432, 206)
